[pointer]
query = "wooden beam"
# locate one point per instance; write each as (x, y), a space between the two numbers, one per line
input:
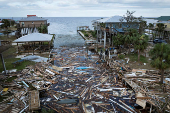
(144, 98)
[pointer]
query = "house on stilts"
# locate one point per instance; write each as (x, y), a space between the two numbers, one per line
(30, 25)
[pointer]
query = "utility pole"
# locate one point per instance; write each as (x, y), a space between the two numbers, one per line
(3, 63)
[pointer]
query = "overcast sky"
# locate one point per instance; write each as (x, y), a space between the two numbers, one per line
(83, 8)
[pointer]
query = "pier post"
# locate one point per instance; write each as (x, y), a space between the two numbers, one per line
(104, 39)
(3, 63)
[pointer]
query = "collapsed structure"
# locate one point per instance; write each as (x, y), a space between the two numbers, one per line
(80, 82)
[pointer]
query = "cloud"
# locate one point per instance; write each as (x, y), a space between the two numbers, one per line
(84, 7)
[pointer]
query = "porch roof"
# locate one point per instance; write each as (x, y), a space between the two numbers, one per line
(34, 37)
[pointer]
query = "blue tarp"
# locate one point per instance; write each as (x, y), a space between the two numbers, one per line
(83, 67)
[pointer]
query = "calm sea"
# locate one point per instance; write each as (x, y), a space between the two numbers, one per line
(65, 29)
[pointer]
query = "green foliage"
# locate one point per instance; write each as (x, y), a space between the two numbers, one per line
(83, 31)
(86, 35)
(47, 111)
(103, 25)
(43, 29)
(6, 23)
(134, 57)
(142, 26)
(160, 28)
(118, 40)
(160, 57)
(93, 33)
(12, 23)
(141, 42)
(121, 56)
(129, 16)
(132, 32)
(150, 26)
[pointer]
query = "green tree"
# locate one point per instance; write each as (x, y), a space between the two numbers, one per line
(118, 40)
(150, 26)
(5, 25)
(128, 41)
(132, 32)
(160, 28)
(12, 22)
(43, 29)
(160, 58)
(129, 37)
(129, 18)
(140, 43)
(142, 26)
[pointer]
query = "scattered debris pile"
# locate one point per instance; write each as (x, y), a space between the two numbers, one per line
(146, 85)
(74, 81)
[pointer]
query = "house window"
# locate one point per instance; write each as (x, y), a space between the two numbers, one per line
(22, 23)
(32, 22)
(165, 26)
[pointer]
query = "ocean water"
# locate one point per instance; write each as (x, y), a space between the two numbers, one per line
(68, 25)
(65, 29)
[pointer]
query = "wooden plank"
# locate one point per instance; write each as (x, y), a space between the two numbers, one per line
(139, 101)
(144, 98)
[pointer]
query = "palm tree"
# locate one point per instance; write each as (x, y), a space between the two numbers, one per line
(150, 26)
(140, 43)
(142, 26)
(160, 28)
(160, 58)
(129, 36)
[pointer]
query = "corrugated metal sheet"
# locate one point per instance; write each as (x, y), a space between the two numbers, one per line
(111, 19)
(35, 37)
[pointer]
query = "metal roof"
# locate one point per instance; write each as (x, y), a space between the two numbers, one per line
(111, 19)
(34, 37)
(33, 18)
